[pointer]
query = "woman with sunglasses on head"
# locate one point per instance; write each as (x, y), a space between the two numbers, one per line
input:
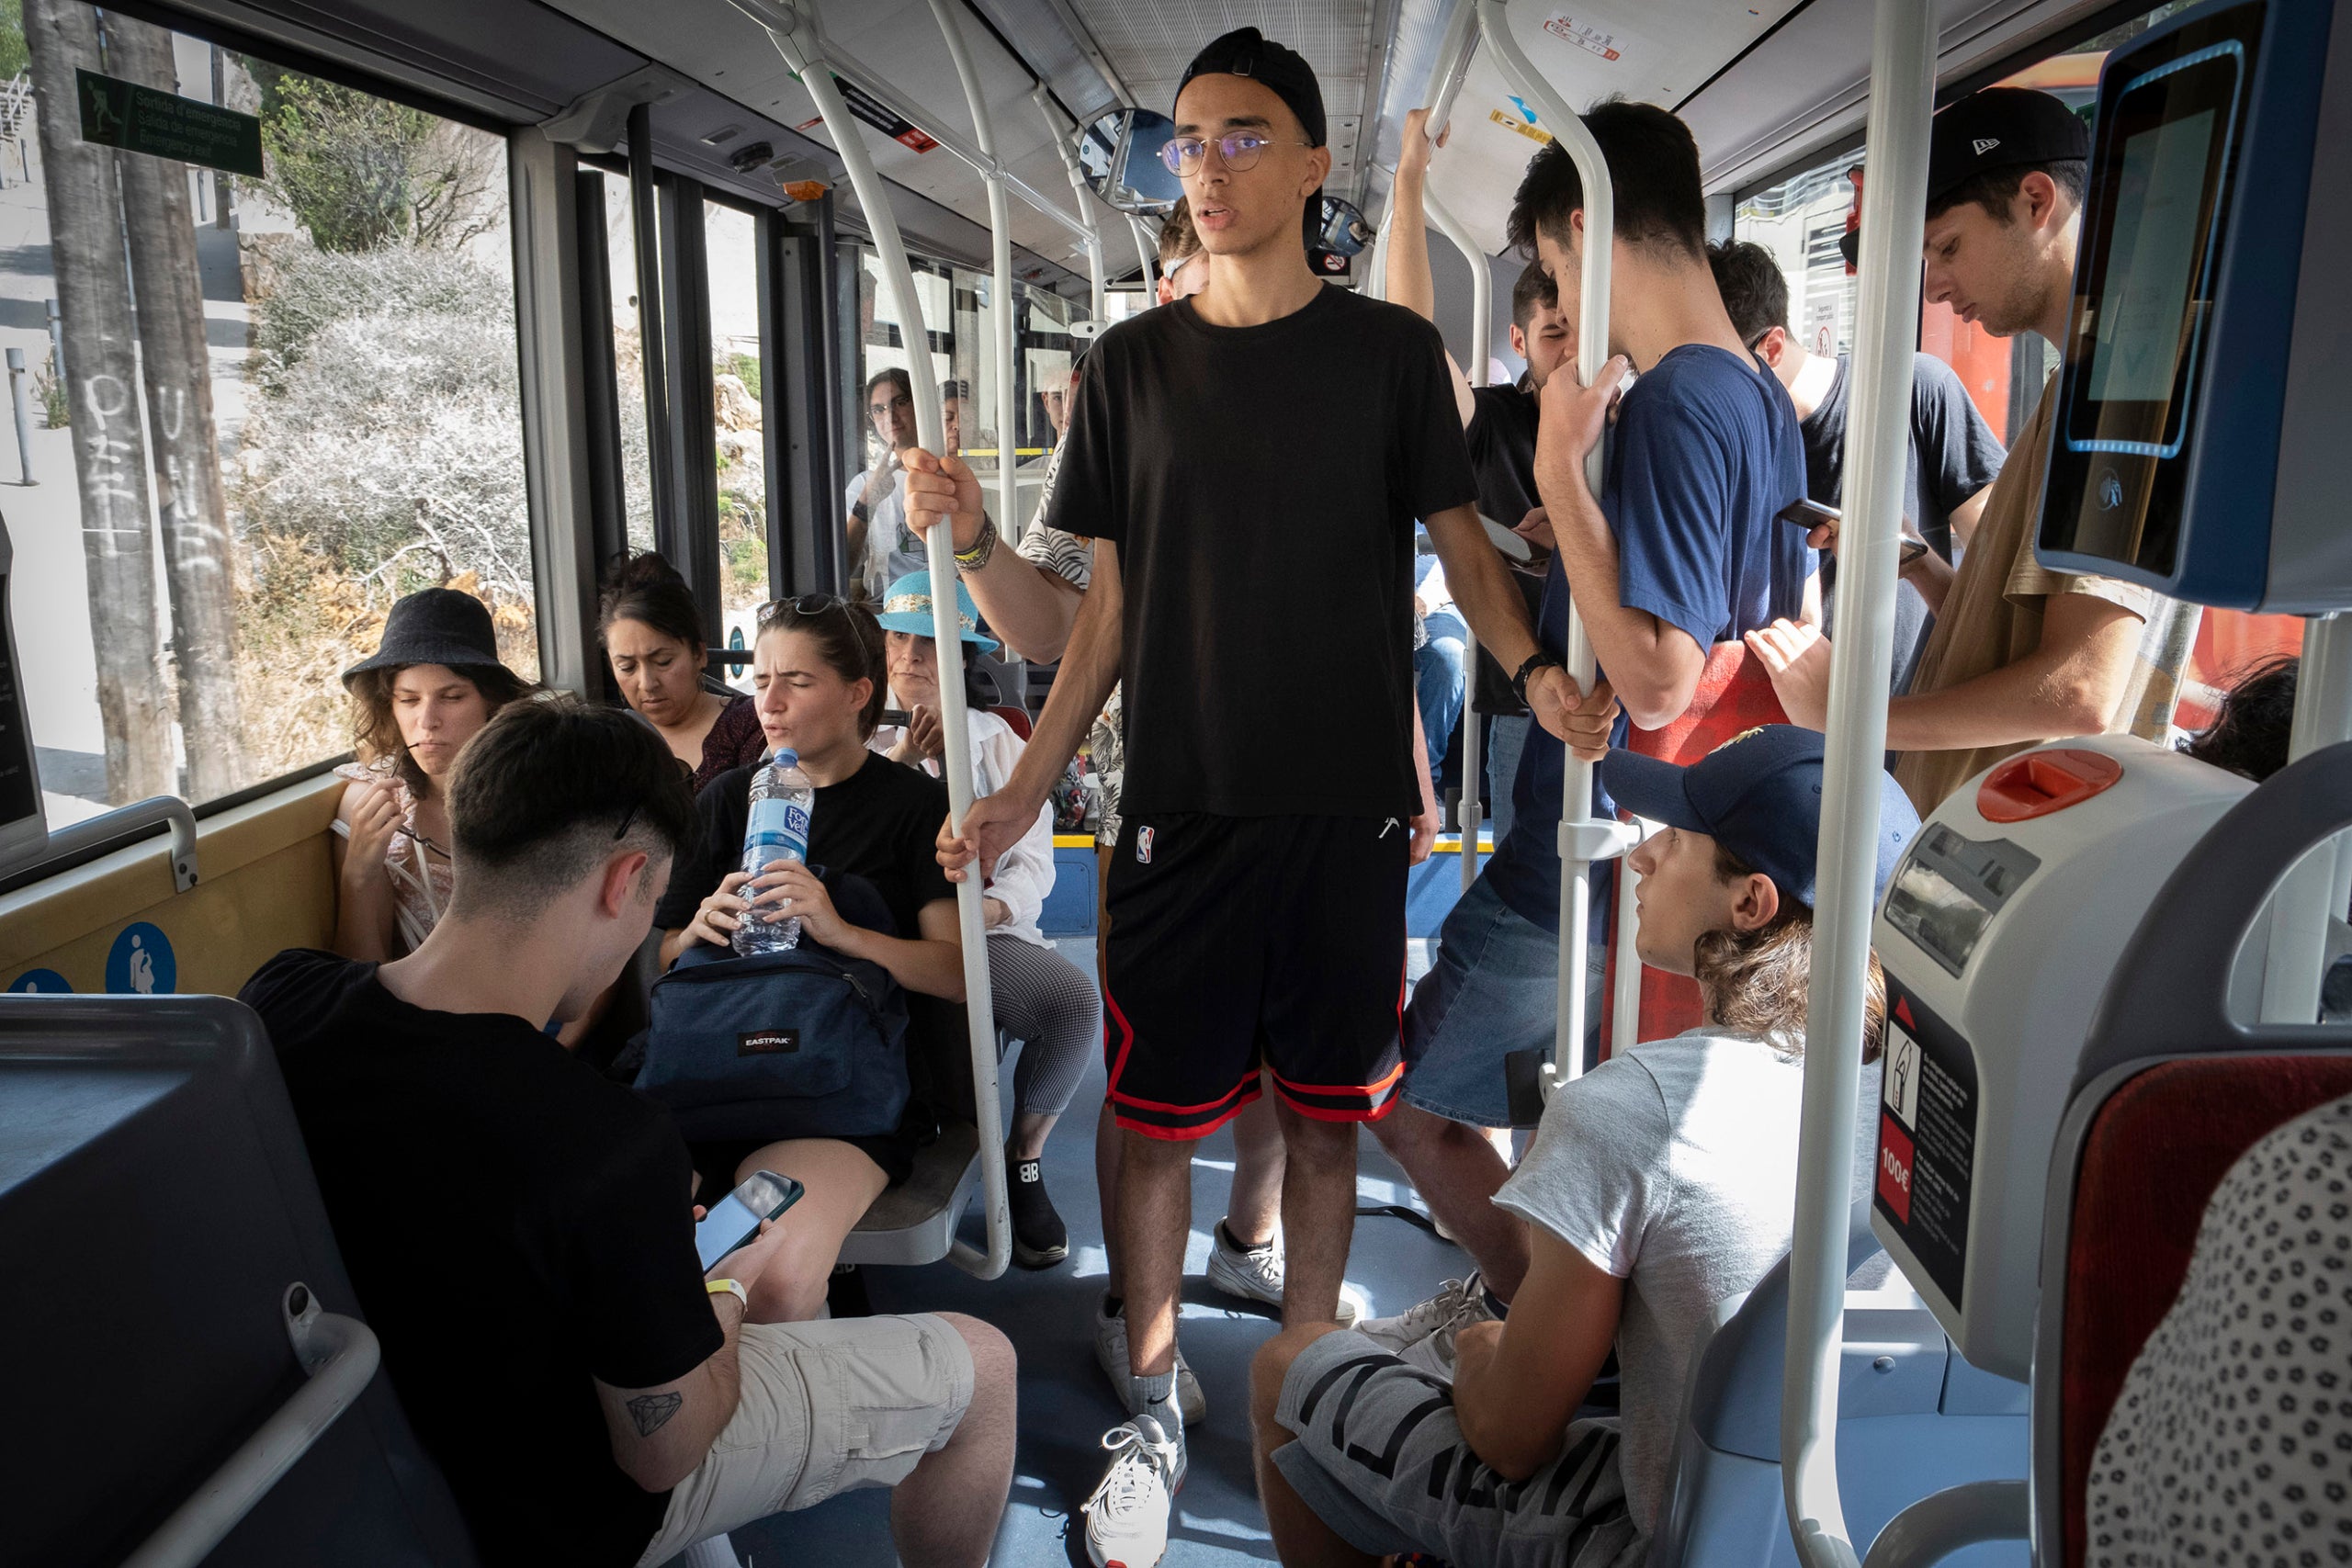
(651, 629)
(433, 682)
(1042, 998)
(817, 672)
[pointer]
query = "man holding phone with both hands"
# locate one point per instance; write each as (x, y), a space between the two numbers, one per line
(519, 1227)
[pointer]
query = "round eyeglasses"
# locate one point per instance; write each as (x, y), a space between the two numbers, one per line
(1239, 151)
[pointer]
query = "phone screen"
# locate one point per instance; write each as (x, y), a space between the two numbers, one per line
(735, 1219)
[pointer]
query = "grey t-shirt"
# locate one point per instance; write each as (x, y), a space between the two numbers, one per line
(1954, 454)
(1674, 1167)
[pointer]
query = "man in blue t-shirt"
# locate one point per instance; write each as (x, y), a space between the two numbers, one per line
(1680, 552)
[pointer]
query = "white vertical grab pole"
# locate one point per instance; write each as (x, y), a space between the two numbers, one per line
(797, 38)
(1146, 251)
(1583, 838)
(2313, 892)
(1085, 198)
(1000, 266)
(1482, 329)
(1903, 84)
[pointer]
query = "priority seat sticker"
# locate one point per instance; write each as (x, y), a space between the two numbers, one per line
(1927, 1143)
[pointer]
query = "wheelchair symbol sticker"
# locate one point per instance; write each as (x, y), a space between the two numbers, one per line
(141, 963)
(48, 982)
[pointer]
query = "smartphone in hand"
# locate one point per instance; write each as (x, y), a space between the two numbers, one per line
(735, 1219)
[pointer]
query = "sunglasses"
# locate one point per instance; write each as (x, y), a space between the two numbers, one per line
(1239, 151)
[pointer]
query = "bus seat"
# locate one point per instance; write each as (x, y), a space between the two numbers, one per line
(2155, 1145)
(156, 1204)
(1016, 717)
(1913, 1418)
(915, 1222)
(2172, 1088)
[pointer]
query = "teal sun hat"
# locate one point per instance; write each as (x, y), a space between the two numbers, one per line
(907, 608)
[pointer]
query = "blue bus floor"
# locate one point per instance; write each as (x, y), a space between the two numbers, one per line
(1066, 1403)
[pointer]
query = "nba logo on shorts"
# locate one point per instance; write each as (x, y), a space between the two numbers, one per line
(1143, 846)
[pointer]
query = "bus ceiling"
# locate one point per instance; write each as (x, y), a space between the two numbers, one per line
(1763, 87)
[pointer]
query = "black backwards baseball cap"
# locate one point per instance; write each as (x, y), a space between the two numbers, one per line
(1246, 52)
(1759, 796)
(1999, 127)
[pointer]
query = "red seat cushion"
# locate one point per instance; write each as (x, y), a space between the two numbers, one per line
(1015, 718)
(2156, 1152)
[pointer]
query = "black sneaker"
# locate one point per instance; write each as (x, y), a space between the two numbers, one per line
(1040, 1240)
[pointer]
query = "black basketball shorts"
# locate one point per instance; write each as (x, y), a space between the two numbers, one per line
(1246, 943)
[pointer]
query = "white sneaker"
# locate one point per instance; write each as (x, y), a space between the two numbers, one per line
(1111, 1355)
(1256, 1274)
(1126, 1519)
(1423, 1337)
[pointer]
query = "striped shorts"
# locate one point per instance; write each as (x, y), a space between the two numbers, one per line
(1381, 1459)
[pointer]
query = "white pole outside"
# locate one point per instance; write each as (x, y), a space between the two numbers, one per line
(1902, 82)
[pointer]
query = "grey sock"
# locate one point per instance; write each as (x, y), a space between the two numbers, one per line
(1156, 1398)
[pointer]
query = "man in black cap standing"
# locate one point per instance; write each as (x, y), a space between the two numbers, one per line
(1251, 462)
(2020, 654)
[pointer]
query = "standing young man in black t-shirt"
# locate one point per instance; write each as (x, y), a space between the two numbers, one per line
(1251, 462)
(519, 1227)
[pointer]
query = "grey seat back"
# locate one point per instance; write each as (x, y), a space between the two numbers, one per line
(156, 1204)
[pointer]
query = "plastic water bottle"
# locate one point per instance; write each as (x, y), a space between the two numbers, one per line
(778, 830)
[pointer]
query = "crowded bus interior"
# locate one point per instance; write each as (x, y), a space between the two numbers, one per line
(1135, 754)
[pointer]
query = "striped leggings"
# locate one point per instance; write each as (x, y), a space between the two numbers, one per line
(1048, 1003)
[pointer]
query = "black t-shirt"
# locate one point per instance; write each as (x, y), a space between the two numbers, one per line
(1954, 454)
(881, 823)
(514, 1225)
(1261, 485)
(1501, 433)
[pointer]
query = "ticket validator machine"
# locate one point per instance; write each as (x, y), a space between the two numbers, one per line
(2202, 412)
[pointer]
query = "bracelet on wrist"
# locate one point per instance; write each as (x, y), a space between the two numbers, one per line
(983, 547)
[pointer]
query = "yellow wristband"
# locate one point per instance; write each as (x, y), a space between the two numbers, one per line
(728, 1287)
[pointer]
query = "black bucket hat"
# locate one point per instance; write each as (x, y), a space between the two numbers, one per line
(434, 626)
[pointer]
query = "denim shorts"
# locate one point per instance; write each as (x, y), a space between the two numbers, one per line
(1492, 989)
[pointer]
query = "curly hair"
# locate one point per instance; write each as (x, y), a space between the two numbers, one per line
(376, 730)
(1756, 981)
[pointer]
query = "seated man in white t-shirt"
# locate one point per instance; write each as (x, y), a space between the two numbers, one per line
(1658, 1184)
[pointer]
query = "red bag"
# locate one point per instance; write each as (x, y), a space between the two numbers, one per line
(1735, 695)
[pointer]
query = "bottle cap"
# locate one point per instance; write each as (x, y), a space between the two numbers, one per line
(785, 757)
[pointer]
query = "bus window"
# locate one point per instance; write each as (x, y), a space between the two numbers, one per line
(263, 408)
(732, 254)
(628, 358)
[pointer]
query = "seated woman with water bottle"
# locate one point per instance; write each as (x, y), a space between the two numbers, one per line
(817, 673)
(1042, 998)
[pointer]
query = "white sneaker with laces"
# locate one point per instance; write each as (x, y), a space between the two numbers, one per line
(1256, 1274)
(1126, 1519)
(1422, 1337)
(1111, 1355)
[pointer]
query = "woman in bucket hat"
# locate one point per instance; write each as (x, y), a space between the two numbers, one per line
(1042, 998)
(435, 679)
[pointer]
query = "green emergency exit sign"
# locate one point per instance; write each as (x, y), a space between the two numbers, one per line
(116, 113)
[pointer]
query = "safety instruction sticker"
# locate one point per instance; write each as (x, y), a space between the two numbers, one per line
(47, 980)
(1567, 29)
(1927, 1138)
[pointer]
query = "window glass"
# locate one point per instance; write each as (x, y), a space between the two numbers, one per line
(628, 358)
(874, 519)
(261, 411)
(731, 247)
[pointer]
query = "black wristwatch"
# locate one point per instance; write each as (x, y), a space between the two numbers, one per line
(1539, 660)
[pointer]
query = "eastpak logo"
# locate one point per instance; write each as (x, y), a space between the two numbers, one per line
(767, 1042)
(1984, 145)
